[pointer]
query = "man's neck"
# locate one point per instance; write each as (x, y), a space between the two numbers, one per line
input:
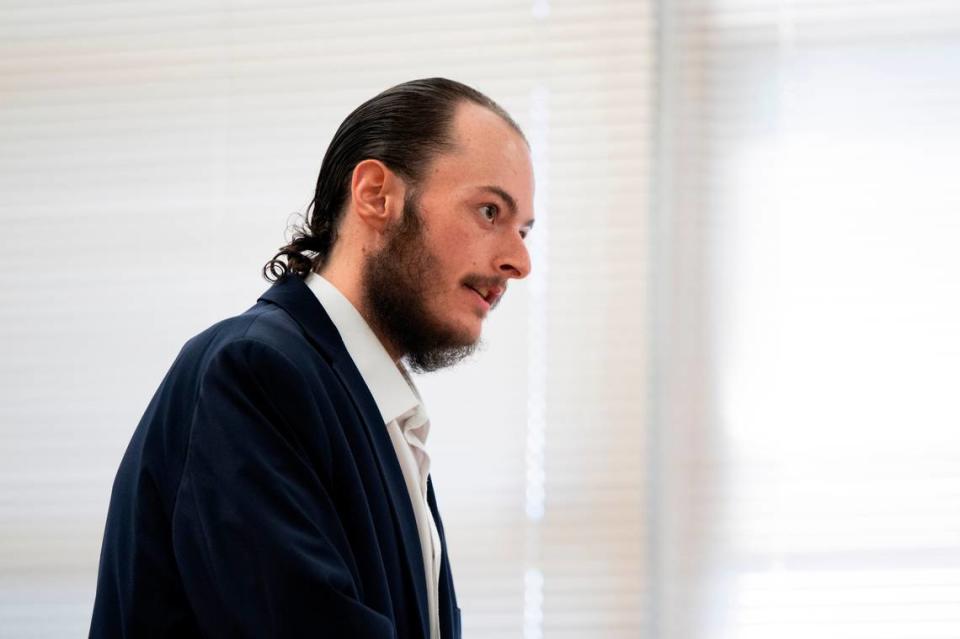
(347, 280)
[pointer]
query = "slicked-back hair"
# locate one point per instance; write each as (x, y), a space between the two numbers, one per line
(404, 127)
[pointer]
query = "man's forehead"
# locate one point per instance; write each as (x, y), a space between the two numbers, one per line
(475, 127)
(489, 149)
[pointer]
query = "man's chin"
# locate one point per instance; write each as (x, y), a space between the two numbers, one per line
(470, 339)
(437, 360)
(457, 335)
(438, 357)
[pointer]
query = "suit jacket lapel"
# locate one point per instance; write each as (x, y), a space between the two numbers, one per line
(393, 478)
(293, 295)
(447, 599)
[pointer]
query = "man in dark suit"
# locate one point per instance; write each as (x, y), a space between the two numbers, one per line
(278, 484)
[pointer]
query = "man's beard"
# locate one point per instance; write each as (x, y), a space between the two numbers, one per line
(398, 282)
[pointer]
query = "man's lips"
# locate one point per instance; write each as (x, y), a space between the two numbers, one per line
(489, 294)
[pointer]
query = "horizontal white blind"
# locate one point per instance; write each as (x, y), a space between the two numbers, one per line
(809, 157)
(151, 154)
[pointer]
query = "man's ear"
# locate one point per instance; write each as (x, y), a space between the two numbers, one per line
(377, 194)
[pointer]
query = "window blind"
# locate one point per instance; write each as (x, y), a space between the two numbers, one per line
(153, 154)
(805, 328)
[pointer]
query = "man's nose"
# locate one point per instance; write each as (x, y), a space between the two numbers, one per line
(515, 259)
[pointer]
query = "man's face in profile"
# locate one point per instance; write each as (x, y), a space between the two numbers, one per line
(446, 263)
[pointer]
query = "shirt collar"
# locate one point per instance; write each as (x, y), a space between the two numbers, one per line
(391, 387)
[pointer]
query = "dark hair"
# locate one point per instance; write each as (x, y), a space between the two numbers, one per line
(403, 127)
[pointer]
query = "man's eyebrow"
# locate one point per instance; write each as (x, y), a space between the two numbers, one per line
(506, 197)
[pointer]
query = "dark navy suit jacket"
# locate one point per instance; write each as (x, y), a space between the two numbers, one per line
(261, 496)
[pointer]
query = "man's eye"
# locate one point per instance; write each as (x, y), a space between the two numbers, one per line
(489, 211)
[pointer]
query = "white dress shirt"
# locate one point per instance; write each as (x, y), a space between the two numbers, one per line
(404, 417)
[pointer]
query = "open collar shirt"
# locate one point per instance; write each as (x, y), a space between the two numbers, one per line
(404, 417)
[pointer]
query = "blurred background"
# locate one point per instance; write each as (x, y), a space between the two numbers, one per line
(723, 405)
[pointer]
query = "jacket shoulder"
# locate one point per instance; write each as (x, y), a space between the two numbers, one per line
(264, 328)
